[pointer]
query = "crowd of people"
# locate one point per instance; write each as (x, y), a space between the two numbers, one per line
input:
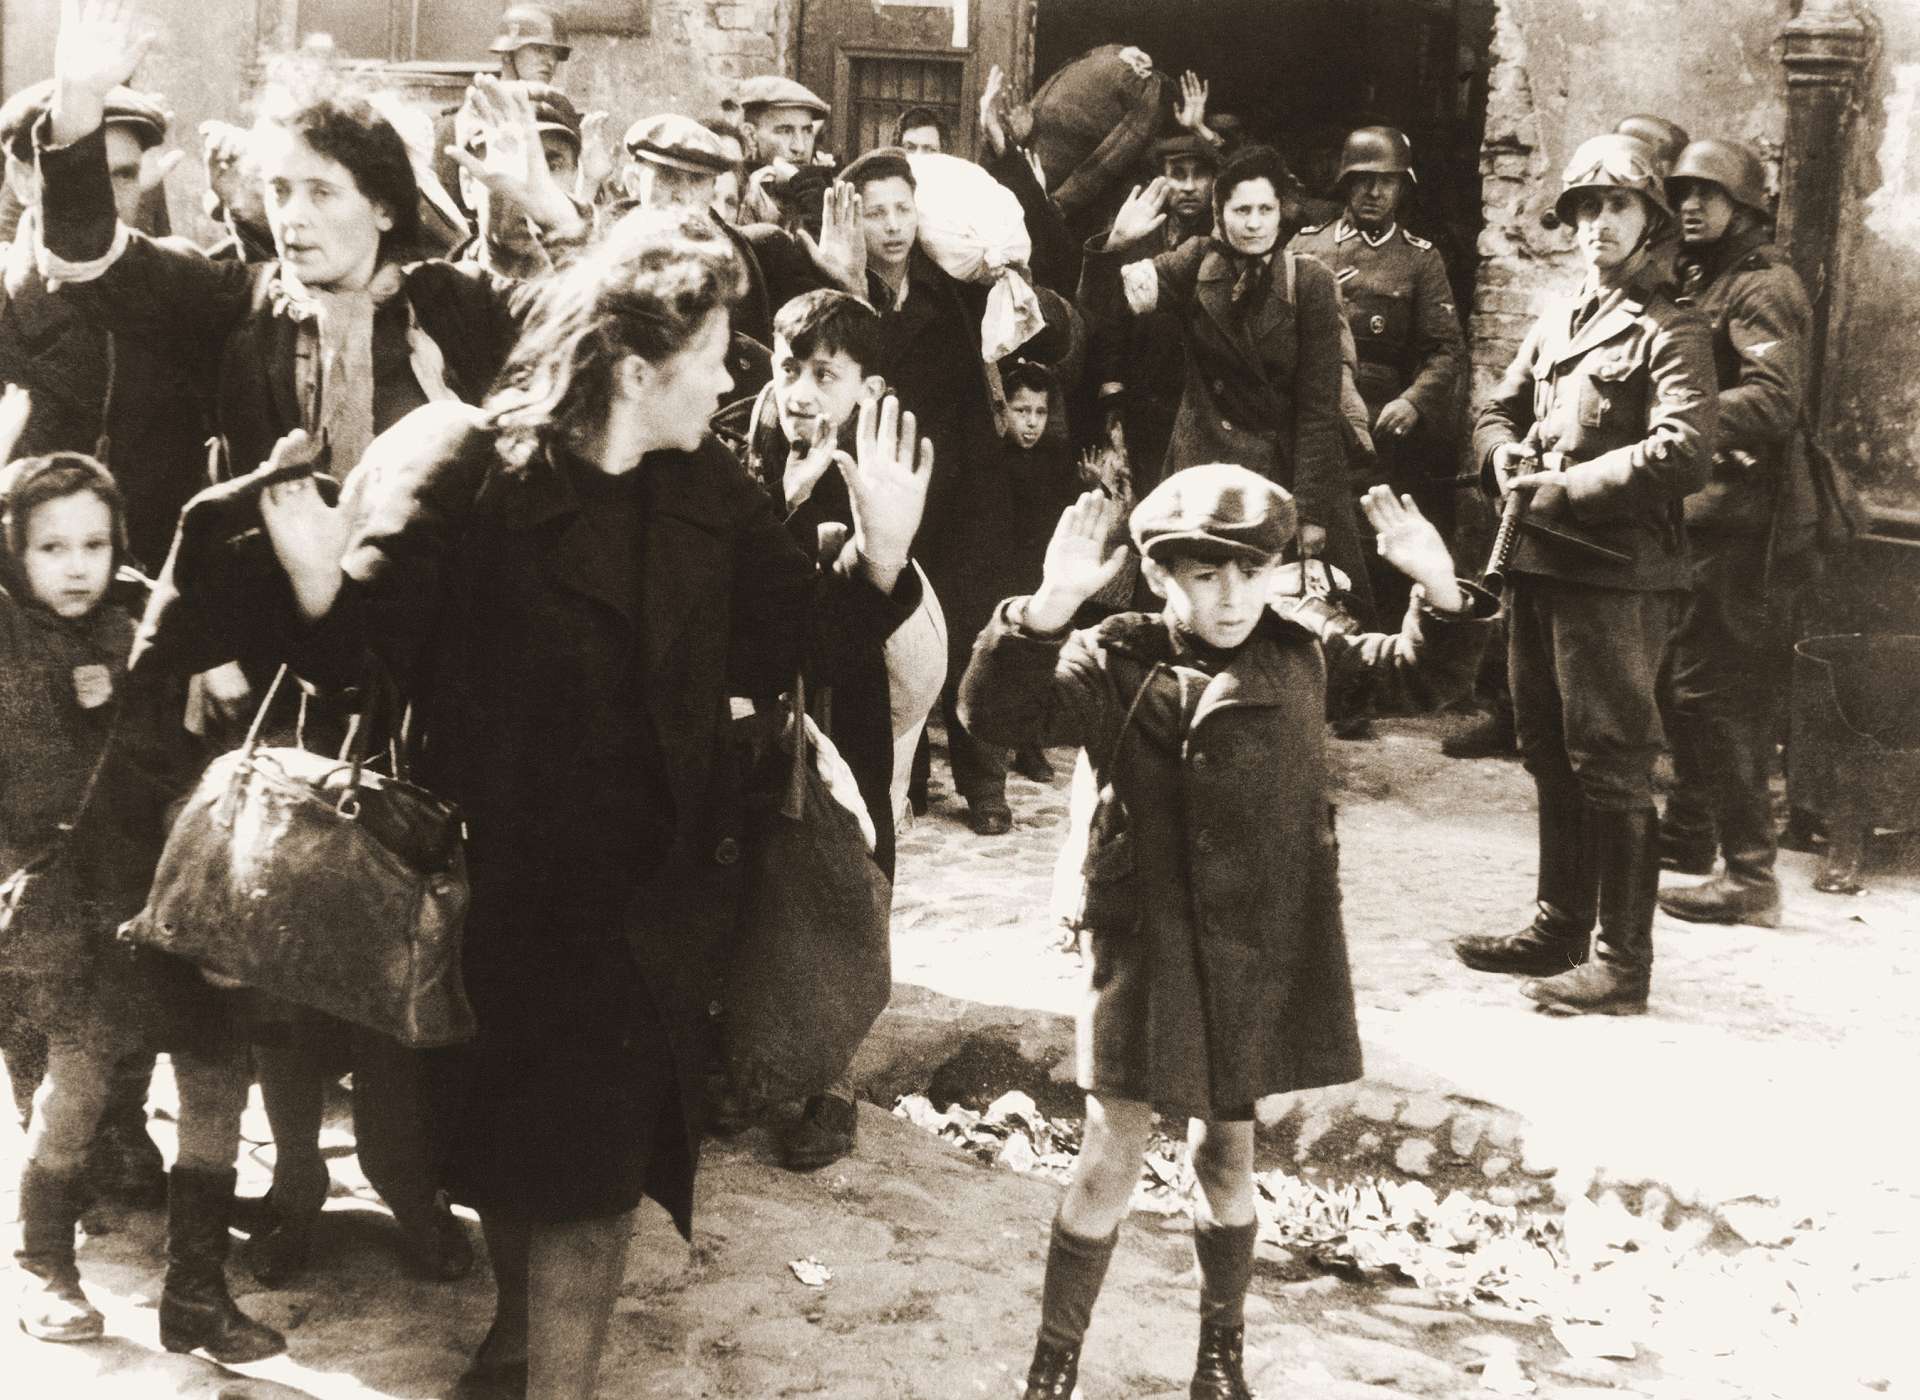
(583, 445)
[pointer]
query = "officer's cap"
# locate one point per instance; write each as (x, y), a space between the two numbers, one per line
(145, 114)
(772, 90)
(678, 143)
(1215, 511)
(1184, 144)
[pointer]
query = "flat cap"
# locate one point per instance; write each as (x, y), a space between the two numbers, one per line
(1218, 509)
(145, 112)
(553, 110)
(772, 90)
(1184, 143)
(678, 143)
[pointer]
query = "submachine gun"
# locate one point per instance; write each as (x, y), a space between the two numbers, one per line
(1514, 519)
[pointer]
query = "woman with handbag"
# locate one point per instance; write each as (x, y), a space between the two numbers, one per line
(568, 586)
(342, 334)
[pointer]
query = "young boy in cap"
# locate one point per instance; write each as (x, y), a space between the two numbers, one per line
(1210, 898)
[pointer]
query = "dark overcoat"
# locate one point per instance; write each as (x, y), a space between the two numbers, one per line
(1265, 394)
(1211, 886)
(481, 587)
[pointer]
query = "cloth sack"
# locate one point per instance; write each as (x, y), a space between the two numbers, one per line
(972, 226)
(1092, 122)
(320, 881)
(811, 968)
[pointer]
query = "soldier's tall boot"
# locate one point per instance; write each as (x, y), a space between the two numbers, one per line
(197, 1313)
(1688, 838)
(1745, 892)
(1614, 982)
(1566, 892)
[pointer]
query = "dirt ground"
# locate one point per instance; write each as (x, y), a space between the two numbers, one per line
(1768, 1076)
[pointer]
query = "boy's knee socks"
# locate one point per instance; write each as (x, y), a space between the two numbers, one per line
(1225, 1256)
(1076, 1268)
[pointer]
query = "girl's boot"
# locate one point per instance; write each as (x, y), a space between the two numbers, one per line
(196, 1311)
(52, 1305)
(1225, 1256)
(1076, 1268)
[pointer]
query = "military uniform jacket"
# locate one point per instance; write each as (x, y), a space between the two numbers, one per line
(1211, 888)
(1400, 309)
(1762, 329)
(1628, 397)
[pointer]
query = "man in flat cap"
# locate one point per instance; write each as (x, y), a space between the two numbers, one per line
(502, 240)
(781, 120)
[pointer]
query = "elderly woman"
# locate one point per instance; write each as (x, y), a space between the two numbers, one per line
(1262, 332)
(569, 584)
(342, 336)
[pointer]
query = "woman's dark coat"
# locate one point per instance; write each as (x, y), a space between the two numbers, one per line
(480, 588)
(1211, 886)
(1264, 395)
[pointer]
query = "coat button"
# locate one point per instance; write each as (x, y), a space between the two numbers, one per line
(713, 1008)
(727, 852)
(1204, 841)
(1199, 760)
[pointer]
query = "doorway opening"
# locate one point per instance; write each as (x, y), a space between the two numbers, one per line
(1301, 74)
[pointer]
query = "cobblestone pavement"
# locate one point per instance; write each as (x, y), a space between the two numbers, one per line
(1750, 1221)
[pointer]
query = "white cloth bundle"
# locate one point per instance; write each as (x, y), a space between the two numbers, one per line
(972, 227)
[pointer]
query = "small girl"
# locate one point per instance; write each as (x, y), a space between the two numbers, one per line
(67, 621)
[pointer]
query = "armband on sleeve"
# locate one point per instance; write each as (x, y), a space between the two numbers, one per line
(1140, 281)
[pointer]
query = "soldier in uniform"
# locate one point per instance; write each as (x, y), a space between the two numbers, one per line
(1400, 309)
(1742, 528)
(532, 43)
(1606, 418)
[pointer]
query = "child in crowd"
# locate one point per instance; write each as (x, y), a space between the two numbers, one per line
(1217, 962)
(1043, 480)
(67, 619)
(824, 346)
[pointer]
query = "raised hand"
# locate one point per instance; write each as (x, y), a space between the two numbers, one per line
(598, 149)
(841, 252)
(1192, 111)
(307, 534)
(100, 47)
(1082, 559)
(1143, 211)
(990, 123)
(1408, 541)
(887, 484)
(16, 406)
(514, 168)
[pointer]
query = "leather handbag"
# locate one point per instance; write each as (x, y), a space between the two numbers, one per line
(811, 967)
(321, 881)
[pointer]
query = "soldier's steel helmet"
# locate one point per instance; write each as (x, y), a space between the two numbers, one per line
(1376, 150)
(523, 25)
(1614, 162)
(1727, 164)
(1667, 138)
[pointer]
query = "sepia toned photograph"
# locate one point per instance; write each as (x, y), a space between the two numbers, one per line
(928, 699)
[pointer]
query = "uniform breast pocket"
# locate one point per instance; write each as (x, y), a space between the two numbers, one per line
(1612, 391)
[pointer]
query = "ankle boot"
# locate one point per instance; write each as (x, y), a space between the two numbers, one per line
(1218, 1372)
(196, 1311)
(1615, 980)
(52, 1305)
(1566, 893)
(1054, 1373)
(1745, 892)
(276, 1253)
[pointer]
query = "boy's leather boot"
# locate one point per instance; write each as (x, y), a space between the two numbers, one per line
(1054, 1373)
(196, 1311)
(1218, 1372)
(1567, 891)
(1615, 980)
(52, 1305)
(1746, 892)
